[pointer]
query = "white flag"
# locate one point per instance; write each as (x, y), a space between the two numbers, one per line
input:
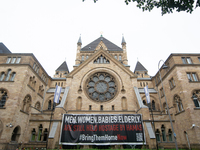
(146, 91)
(57, 94)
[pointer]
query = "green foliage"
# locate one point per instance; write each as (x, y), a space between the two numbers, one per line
(167, 6)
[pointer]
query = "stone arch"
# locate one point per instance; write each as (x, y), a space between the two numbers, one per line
(49, 104)
(16, 134)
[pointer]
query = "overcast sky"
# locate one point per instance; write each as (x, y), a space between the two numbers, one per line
(50, 30)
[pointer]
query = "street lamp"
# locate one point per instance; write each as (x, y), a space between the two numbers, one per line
(165, 67)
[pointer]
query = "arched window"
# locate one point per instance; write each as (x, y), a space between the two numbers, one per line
(33, 133)
(3, 97)
(158, 135)
(2, 76)
(12, 76)
(163, 133)
(178, 103)
(153, 105)
(45, 135)
(26, 104)
(49, 105)
(196, 98)
(144, 102)
(39, 138)
(37, 105)
(54, 105)
(170, 135)
(8, 75)
(16, 133)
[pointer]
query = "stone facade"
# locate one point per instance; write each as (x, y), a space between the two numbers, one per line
(27, 94)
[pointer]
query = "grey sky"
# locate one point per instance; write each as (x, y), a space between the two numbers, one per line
(50, 30)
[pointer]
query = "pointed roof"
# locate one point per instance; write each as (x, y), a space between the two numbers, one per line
(139, 67)
(63, 67)
(4, 49)
(123, 40)
(109, 45)
(79, 40)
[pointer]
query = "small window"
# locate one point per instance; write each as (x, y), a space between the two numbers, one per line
(153, 105)
(13, 60)
(2, 76)
(12, 76)
(163, 133)
(195, 98)
(178, 103)
(101, 107)
(158, 135)
(170, 135)
(90, 107)
(186, 60)
(199, 59)
(8, 75)
(45, 135)
(40, 133)
(18, 60)
(8, 60)
(3, 98)
(120, 57)
(115, 56)
(82, 57)
(192, 77)
(49, 105)
(113, 107)
(172, 83)
(33, 135)
(86, 56)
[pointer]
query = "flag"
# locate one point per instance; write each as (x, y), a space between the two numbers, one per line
(146, 91)
(57, 94)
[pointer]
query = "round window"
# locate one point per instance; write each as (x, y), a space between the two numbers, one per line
(101, 87)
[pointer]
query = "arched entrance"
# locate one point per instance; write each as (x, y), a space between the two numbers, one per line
(16, 134)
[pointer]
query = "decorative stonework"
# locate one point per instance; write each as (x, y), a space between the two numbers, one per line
(101, 87)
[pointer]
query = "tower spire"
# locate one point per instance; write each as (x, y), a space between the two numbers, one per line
(79, 40)
(123, 40)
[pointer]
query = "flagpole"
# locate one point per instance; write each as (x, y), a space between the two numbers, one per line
(49, 126)
(146, 91)
(55, 100)
(154, 127)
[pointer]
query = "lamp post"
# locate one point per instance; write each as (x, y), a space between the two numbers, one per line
(164, 67)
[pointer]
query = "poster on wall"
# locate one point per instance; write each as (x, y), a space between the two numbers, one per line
(102, 129)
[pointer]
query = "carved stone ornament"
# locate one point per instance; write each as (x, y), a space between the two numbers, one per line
(101, 87)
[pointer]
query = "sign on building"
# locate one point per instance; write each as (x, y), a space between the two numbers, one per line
(102, 129)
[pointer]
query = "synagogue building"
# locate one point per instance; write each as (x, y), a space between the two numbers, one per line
(103, 103)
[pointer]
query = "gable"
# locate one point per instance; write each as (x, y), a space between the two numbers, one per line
(101, 57)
